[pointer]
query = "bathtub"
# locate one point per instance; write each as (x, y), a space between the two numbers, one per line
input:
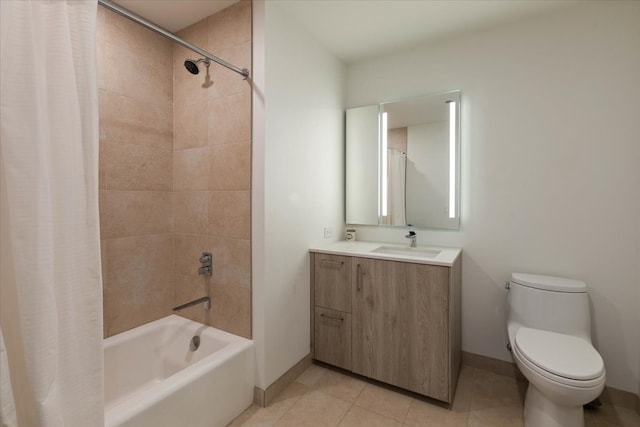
(152, 378)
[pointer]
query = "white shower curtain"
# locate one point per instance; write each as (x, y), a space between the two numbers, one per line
(50, 287)
(396, 188)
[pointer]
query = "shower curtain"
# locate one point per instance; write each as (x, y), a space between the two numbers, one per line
(396, 191)
(50, 278)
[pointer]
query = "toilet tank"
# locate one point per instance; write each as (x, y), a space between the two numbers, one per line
(549, 303)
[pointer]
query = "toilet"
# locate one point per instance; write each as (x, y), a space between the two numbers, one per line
(549, 329)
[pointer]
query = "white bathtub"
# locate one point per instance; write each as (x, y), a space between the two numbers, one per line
(153, 379)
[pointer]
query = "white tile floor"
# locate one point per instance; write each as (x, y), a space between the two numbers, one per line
(323, 397)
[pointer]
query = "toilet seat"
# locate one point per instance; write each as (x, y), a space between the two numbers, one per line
(562, 358)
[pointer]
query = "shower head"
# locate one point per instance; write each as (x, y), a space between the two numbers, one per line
(192, 65)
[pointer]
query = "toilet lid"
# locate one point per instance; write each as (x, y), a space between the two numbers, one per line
(549, 283)
(563, 355)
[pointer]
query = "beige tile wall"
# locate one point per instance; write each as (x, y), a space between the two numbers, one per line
(397, 139)
(135, 81)
(175, 172)
(212, 172)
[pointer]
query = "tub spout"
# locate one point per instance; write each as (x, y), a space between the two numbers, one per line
(205, 300)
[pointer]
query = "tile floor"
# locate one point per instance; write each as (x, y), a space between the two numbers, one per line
(324, 397)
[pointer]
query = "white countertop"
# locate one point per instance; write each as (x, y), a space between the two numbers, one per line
(446, 257)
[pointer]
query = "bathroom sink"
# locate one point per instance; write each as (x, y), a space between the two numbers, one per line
(408, 251)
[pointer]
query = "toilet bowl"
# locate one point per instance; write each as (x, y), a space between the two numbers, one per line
(564, 373)
(550, 338)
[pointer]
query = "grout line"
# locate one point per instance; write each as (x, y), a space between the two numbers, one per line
(404, 420)
(406, 414)
(295, 402)
(344, 415)
(359, 393)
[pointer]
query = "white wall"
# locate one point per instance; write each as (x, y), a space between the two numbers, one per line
(428, 174)
(550, 164)
(298, 180)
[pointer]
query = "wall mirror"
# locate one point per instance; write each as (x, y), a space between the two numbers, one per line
(402, 162)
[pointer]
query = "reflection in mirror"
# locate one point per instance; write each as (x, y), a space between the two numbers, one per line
(417, 140)
(418, 164)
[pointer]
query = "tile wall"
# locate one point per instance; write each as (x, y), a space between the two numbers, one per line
(135, 82)
(175, 172)
(397, 139)
(212, 171)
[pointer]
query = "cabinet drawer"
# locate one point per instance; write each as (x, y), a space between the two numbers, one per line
(332, 337)
(332, 277)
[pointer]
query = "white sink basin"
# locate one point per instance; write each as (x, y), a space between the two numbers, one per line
(408, 251)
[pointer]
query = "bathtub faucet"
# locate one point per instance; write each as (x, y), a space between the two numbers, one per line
(205, 300)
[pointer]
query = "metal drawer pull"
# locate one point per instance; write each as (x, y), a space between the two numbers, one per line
(358, 278)
(331, 317)
(333, 264)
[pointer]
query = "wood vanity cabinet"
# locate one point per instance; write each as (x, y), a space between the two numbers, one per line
(331, 309)
(393, 321)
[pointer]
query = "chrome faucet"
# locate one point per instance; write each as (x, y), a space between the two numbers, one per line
(205, 300)
(413, 236)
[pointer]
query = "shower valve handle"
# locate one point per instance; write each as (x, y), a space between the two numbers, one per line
(206, 259)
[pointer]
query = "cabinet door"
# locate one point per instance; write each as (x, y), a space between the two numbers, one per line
(400, 325)
(332, 278)
(332, 337)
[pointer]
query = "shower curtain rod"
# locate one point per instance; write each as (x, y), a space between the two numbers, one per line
(153, 27)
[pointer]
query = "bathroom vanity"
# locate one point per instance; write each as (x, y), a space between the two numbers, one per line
(389, 312)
